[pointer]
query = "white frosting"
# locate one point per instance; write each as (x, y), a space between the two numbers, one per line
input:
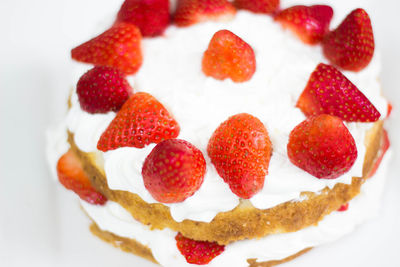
(171, 72)
(113, 218)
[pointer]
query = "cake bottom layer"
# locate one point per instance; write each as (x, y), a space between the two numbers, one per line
(115, 225)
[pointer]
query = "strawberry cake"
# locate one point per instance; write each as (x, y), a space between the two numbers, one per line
(219, 133)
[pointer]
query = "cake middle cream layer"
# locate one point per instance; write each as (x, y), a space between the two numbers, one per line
(115, 219)
(172, 73)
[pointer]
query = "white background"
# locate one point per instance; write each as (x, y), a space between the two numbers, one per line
(41, 223)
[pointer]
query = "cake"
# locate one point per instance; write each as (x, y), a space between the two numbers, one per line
(226, 133)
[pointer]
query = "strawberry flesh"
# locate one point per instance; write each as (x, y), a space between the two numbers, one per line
(72, 176)
(310, 23)
(173, 171)
(189, 12)
(240, 150)
(103, 89)
(329, 92)
(322, 146)
(228, 56)
(118, 47)
(198, 252)
(344, 207)
(351, 45)
(150, 16)
(142, 120)
(258, 6)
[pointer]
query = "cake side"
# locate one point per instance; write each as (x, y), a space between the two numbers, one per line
(244, 221)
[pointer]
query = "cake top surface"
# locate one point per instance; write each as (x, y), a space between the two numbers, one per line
(172, 73)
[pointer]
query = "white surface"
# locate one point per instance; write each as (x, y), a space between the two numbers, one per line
(41, 224)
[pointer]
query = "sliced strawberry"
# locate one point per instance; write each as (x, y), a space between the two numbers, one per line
(142, 120)
(150, 16)
(189, 12)
(258, 6)
(329, 91)
(384, 148)
(389, 110)
(71, 176)
(103, 89)
(351, 46)
(198, 252)
(322, 146)
(240, 150)
(310, 23)
(344, 207)
(118, 47)
(173, 171)
(228, 56)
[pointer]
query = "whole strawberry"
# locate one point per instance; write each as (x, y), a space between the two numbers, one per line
(228, 56)
(142, 120)
(240, 150)
(118, 47)
(329, 91)
(258, 6)
(103, 89)
(198, 252)
(71, 176)
(173, 171)
(189, 12)
(351, 46)
(150, 16)
(322, 146)
(310, 23)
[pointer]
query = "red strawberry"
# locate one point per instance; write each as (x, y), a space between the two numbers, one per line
(344, 207)
(71, 176)
(351, 46)
(322, 146)
(228, 56)
(240, 150)
(384, 148)
(142, 120)
(103, 89)
(151, 16)
(198, 252)
(258, 6)
(329, 91)
(190, 12)
(118, 47)
(310, 23)
(173, 171)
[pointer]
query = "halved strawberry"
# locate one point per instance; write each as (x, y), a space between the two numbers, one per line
(322, 146)
(198, 252)
(389, 110)
(384, 148)
(150, 16)
(228, 56)
(329, 91)
(173, 171)
(310, 23)
(118, 47)
(258, 6)
(351, 46)
(240, 150)
(142, 120)
(344, 207)
(71, 176)
(189, 12)
(103, 89)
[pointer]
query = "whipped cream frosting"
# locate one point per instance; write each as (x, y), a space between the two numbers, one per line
(114, 218)
(171, 72)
